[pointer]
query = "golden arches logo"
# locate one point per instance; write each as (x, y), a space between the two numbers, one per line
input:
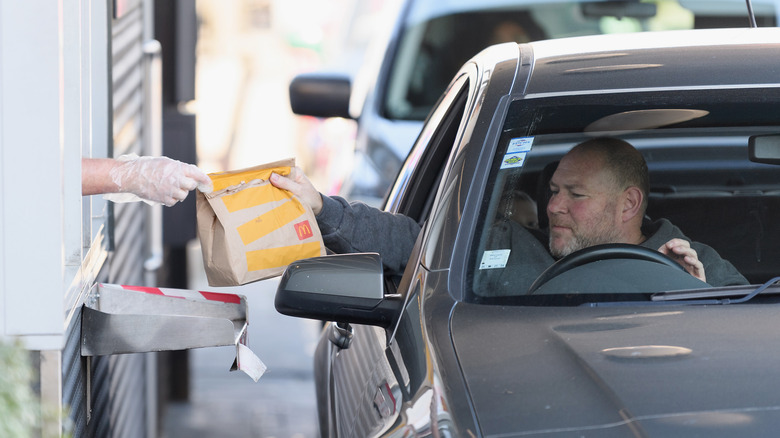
(303, 229)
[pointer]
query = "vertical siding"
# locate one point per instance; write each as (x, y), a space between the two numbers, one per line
(118, 381)
(74, 386)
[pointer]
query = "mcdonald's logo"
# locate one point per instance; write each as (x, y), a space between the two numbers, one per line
(303, 229)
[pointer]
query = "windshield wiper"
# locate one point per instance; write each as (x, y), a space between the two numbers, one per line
(699, 295)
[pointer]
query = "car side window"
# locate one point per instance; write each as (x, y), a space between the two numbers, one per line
(417, 200)
(418, 180)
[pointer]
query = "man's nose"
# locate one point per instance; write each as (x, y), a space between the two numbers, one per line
(555, 205)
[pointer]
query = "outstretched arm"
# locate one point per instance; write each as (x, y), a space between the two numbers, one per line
(95, 177)
(154, 179)
(355, 227)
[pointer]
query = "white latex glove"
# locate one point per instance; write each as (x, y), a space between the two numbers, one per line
(155, 180)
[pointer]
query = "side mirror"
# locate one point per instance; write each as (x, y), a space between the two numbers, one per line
(764, 148)
(321, 94)
(346, 288)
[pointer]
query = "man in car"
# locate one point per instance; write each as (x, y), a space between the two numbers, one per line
(599, 196)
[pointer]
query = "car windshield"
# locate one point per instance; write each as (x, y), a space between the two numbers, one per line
(439, 36)
(695, 143)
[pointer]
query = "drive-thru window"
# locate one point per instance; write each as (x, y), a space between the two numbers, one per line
(83, 78)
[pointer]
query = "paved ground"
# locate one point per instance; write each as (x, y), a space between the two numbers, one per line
(229, 404)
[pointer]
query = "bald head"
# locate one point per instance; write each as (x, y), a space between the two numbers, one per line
(625, 165)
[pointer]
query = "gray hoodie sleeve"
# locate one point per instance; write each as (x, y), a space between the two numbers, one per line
(355, 227)
(719, 272)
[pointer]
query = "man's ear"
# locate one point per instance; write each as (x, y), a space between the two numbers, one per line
(632, 203)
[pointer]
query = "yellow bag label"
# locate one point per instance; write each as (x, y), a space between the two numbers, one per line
(254, 196)
(270, 221)
(223, 180)
(280, 257)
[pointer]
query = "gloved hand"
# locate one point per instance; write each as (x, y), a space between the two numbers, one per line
(156, 180)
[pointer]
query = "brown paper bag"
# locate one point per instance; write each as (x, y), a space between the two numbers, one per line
(250, 230)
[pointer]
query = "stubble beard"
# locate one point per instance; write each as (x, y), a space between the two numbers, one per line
(578, 241)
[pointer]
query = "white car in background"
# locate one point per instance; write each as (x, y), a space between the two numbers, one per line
(430, 39)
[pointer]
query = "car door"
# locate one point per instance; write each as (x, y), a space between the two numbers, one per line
(372, 377)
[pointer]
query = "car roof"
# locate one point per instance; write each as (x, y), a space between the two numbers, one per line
(652, 60)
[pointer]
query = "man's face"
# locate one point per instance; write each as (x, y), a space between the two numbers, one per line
(583, 209)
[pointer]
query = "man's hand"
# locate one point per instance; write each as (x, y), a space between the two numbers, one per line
(680, 250)
(300, 186)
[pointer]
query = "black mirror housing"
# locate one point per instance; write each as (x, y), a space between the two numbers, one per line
(347, 288)
(321, 94)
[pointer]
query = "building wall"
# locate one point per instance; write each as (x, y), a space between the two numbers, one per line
(74, 82)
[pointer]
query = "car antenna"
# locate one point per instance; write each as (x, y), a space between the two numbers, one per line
(751, 15)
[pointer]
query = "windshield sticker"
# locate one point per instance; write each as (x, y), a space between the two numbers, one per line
(516, 152)
(494, 259)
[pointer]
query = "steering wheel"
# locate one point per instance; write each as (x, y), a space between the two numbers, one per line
(601, 252)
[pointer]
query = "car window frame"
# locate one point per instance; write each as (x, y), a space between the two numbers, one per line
(409, 196)
(416, 186)
(527, 130)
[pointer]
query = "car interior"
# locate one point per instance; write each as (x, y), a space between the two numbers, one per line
(702, 180)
